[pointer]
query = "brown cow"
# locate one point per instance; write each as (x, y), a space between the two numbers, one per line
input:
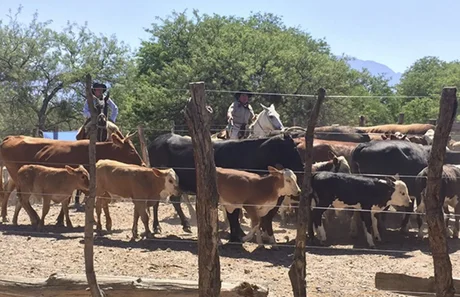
(145, 186)
(417, 129)
(49, 183)
(322, 149)
(256, 194)
(17, 151)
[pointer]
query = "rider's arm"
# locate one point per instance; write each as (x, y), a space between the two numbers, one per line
(114, 108)
(86, 111)
(230, 111)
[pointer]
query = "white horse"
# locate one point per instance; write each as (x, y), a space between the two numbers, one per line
(267, 120)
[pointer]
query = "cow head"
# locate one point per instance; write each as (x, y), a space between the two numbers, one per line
(400, 193)
(127, 152)
(171, 182)
(81, 177)
(289, 181)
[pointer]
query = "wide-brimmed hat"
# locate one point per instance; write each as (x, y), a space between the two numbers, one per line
(97, 85)
(240, 92)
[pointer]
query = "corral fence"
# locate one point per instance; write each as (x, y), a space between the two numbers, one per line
(209, 283)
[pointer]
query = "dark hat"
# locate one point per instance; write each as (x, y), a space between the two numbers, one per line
(240, 92)
(97, 85)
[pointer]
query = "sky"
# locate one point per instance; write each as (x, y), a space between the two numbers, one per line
(392, 32)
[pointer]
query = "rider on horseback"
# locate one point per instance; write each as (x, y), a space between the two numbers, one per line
(98, 90)
(240, 113)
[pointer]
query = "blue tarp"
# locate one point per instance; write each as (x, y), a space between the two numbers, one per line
(61, 135)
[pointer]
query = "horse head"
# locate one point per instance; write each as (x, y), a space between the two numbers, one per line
(268, 120)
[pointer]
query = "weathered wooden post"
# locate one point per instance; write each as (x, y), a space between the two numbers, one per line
(145, 153)
(89, 205)
(401, 118)
(56, 132)
(297, 271)
(434, 213)
(198, 122)
(362, 121)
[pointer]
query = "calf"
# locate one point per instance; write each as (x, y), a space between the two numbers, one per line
(50, 183)
(145, 186)
(335, 164)
(449, 195)
(352, 191)
(257, 194)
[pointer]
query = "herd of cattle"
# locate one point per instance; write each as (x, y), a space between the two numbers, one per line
(259, 175)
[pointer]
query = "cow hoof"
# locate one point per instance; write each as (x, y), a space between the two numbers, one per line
(157, 230)
(148, 235)
(372, 246)
(187, 229)
(377, 238)
(59, 224)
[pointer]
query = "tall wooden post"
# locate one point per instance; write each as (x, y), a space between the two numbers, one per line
(198, 121)
(298, 269)
(434, 213)
(89, 205)
(145, 153)
(401, 118)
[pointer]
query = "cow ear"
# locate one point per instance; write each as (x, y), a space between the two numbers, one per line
(397, 176)
(384, 137)
(279, 166)
(156, 172)
(69, 169)
(272, 170)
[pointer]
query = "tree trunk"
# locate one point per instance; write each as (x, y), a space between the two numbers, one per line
(434, 212)
(297, 271)
(198, 121)
(89, 205)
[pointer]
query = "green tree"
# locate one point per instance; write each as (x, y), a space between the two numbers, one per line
(43, 71)
(229, 53)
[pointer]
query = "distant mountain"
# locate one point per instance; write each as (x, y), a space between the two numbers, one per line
(375, 69)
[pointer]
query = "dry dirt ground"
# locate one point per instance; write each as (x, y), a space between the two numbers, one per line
(341, 269)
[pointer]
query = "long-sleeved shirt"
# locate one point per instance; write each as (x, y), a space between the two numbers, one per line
(113, 108)
(241, 115)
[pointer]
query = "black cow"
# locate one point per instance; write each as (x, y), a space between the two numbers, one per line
(352, 191)
(341, 133)
(396, 156)
(449, 195)
(253, 155)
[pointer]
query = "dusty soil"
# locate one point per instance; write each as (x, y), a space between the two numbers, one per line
(344, 268)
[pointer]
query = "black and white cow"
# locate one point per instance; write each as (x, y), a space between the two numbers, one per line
(396, 156)
(342, 190)
(449, 195)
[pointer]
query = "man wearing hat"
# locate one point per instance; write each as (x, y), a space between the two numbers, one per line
(98, 90)
(239, 113)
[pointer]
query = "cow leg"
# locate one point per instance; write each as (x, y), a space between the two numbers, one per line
(457, 220)
(317, 220)
(106, 198)
(375, 226)
(10, 185)
(65, 209)
(141, 209)
(135, 222)
(355, 218)
(156, 223)
(16, 212)
(98, 214)
(267, 221)
(78, 207)
(25, 203)
(236, 233)
(175, 200)
(191, 210)
(447, 219)
(420, 226)
(367, 226)
(60, 218)
(404, 224)
(45, 210)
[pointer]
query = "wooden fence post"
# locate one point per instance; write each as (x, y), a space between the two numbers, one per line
(401, 118)
(89, 205)
(434, 213)
(198, 121)
(362, 121)
(145, 153)
(298, 271)
(56, 132)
